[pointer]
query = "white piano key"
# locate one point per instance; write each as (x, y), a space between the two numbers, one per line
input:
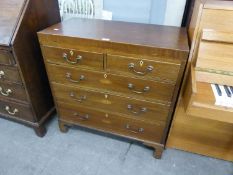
(231, 91)
(216, 95)
(226, 100)
(227, 90)
(218, 89)
(231, 88)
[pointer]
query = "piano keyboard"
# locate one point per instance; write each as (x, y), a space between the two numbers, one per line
(223, 95)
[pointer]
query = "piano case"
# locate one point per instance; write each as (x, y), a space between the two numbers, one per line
(24, 90)
(214, 66)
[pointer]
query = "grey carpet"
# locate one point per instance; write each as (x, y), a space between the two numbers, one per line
(83, 152)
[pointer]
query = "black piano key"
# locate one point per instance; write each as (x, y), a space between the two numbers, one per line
(218, 89)
(231, 88)
(227, 91)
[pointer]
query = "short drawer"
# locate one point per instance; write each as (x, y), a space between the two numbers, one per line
(154, 70)
(17, 110)
(13, 91)
(73, 57)
(110, 122)
(6, 58)
(133, 108)
(10, 74)
(133, 87)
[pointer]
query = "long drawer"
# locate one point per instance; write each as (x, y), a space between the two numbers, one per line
(144, 68)
(6, 57)
(134, 108)
(110, 122)
(13, 91)
(143, 89)
(10, 74)
(73, 57)
(17, 110)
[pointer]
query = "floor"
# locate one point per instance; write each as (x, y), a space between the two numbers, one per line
(83, 152)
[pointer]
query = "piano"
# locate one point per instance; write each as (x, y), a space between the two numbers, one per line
(209, 90)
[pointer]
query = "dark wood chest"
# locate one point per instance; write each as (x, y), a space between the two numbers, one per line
(120, 78)
(25, 95)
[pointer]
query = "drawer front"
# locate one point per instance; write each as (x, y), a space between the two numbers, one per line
(12, 91)
(142, 89)
(141, 110)
(6, 58)
(154, 70)
(111, 123)
(17, 110)
(73, 57)
(9, 74)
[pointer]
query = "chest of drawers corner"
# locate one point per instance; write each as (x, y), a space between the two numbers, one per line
(25, 96)
(116, 77)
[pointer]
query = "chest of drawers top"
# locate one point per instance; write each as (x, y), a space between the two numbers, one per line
(113, 36)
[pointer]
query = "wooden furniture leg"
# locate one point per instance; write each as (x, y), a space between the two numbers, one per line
(158, 153)
(158, 149)
(63, 126)
(40, 131)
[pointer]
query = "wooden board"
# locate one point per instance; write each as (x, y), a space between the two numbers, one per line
(122, 32)
(9, 15)
(214, 78)
(201, 136)
(199, 101)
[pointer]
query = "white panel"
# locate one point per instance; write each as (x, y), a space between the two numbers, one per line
(98, 8)
(129, 10)
(174, 12)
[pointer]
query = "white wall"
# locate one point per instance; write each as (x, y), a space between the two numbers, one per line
(174, 12)
(163, 12)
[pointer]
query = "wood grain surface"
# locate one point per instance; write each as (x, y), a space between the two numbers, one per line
(117, 94)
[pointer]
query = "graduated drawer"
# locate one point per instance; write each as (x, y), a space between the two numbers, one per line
(6, 57)
(141, 110)
(73, 57)
(110, 122)
(154, 70)
(9, 74)
(17, 110)
(13, 91)
(155, 91)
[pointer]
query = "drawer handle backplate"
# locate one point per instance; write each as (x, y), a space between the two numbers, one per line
(79, 99)
(2, 73)
(82, 117)
(77, 59)
(136, 131)
(69, 77)
(131, 67)
(136, 111)
(131, 87)
(7, 108)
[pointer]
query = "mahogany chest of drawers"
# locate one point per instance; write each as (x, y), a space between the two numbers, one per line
(117, 77)
(25, 95)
